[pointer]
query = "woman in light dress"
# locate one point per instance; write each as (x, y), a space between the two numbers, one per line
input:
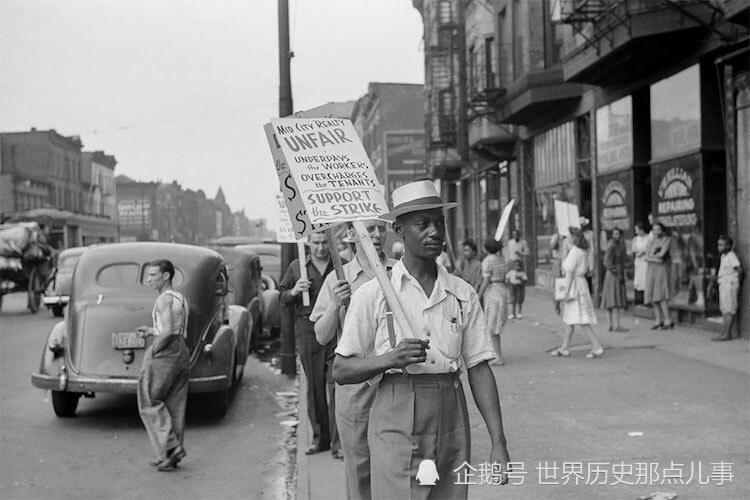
(577, 306)
(495, 293)
(639, 248)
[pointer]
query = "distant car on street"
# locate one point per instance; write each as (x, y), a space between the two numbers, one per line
(270, 259)
(58, 291)
(96, 349)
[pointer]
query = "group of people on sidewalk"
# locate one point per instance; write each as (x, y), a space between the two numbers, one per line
(398, 402)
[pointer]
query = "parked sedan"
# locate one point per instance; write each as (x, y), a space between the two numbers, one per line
(58, 291)
(96, 349)
(246, 286)
(270, 259)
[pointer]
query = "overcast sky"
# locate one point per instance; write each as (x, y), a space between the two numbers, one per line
(180, 89)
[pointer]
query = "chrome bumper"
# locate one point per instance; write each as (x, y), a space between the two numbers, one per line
(120, 385)
(55, 300)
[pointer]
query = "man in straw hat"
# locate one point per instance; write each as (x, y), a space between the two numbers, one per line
(353, 401)
(420, 411)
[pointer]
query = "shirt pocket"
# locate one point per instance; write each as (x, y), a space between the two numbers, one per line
(450, 339)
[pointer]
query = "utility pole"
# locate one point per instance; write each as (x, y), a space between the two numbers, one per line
(288, 344)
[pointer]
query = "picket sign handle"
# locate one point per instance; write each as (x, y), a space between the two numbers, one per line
(385, 283)
(449, 243)
(339, 268)
(303, 271)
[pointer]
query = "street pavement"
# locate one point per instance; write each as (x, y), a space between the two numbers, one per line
(103, 451)
(664, 411)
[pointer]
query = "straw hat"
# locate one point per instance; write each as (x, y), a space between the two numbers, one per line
(413, 197)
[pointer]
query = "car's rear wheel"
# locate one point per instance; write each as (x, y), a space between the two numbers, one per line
(65, 403)
(218, 402)
(35, 289)
(57, 310)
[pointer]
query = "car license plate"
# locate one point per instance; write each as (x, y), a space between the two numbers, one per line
(128, 340)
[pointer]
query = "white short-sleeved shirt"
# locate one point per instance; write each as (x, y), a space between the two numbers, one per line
(727, 271)
(354, 274)
(455, 332)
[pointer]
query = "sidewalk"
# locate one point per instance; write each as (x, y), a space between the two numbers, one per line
(686, 394)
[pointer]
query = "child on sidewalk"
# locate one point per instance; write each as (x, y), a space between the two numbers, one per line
(516, 278)
(730, 271)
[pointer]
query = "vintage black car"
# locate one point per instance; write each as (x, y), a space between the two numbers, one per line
(246, 286)
(58, 291)
(270, 260)
(95, 348)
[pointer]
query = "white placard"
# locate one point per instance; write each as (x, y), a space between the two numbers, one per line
(330, 168)
(566, 215)
(504, 218)
(285, 230)
(297, 214)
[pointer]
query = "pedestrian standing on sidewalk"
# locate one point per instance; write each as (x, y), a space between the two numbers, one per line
(316, 359)
(517, 249)
(657, 291)
(639, 248)
(577, 306)
(470, 267)
(353, 402)
(163, 380)
(494, 294)
(420, 411)
(614, 297)
(516, 279)
(730, 273)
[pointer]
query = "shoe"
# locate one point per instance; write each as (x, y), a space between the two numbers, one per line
(177, 454)
(155, 462)
(620, 329)
(667, 327)
(518, 316)
(721, 338)
(611, 328)
(511, 316)
(338, 455)
(316, 448)
(595, 354)
(560, 352)
(657, 326)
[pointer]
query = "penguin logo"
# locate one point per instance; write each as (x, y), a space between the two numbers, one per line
(427, 473)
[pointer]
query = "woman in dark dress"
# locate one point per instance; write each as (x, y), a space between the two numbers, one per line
(614, 297)
(657, 291)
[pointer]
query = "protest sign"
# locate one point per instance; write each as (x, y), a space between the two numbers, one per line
(284, 231)
(330, 169)
(504, 218)
(301, 223)
(566, 215)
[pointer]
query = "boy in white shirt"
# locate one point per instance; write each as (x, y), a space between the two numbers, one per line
(729, 275)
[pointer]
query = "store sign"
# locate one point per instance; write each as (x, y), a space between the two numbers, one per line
(405, 152)
(678, 201)
(614, 135)
(615, 198)
(134, 212)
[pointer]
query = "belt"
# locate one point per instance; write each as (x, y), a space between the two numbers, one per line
(423, 378)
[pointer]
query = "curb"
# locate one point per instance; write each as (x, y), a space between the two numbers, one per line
(303, 430)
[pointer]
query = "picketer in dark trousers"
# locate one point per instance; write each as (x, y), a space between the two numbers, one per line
(316, 359)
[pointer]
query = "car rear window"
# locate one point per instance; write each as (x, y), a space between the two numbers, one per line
(115, 275)
(270, 260)
(177, 280)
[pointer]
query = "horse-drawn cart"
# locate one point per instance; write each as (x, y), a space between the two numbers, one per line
(25, 262)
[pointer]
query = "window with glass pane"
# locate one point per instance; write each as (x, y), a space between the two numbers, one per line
(676, 114)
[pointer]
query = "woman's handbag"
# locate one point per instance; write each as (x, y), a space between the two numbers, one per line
(561, 288)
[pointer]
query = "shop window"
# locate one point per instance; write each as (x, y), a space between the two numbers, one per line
(614, 135)
(545, 224)
(676, 114)
(583, 147)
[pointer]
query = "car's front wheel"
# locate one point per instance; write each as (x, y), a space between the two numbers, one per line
(65, 403)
